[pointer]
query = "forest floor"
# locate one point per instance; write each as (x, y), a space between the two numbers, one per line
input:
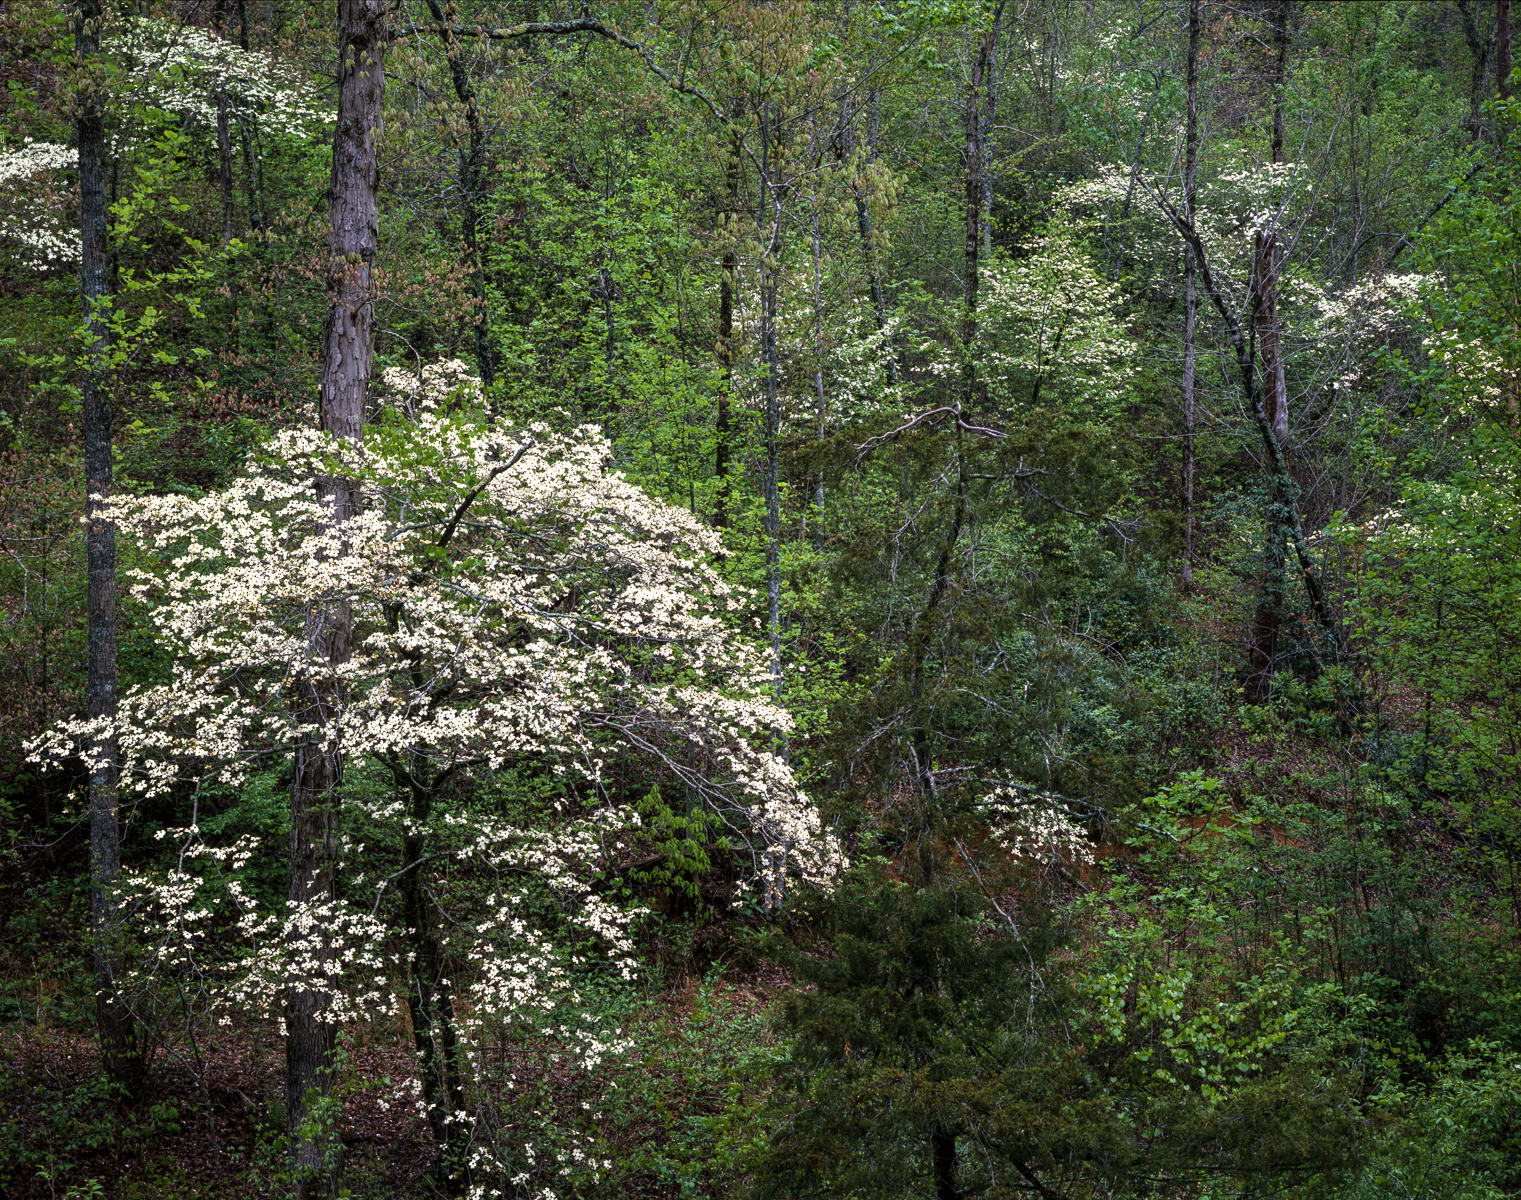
(213, 1127)
(216, 1135)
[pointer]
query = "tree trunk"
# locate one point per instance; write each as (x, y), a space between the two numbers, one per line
(224, 164)
(224, 175)
(1266, 259)
(769, 215)
(985, 146)
(348, 355)
(1190, 292)
(972, 160)
(430, 1003)
(1502, 47)
(1479, 45)
(118, 1042)
(721, 424)
(471, 166)
(820, 403)
(943, 1146)
(863, 227)
(1277, 463)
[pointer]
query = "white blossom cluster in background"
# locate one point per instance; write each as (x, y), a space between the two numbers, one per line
(31, 157)
(181, 69)
(1231, 206)
(1049, 316)
(1372, 308)
(39, 223)
(1032, 825)
(173, 69)
(447, 381)
(1050, 344)
(516, 605)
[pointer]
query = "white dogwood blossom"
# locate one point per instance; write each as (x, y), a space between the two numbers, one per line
(180, 72)
(520, 611)
(39, 224)
(1033, 825)
(182, 69)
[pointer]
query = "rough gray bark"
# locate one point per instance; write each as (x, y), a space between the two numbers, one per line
(118, 1041)
(347, 359)
(1266, 260)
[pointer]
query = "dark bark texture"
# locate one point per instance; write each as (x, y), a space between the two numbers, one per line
(118, 1042)
(1190, 292)
(1262, 647)
(347, 360)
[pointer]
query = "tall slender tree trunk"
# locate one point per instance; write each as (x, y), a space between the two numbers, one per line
(1190, 291)
(224, 164)
(1481, 47)
(820, 402)
(722, 430)
(770, 226)
(472, 161)
(1502, 47)
(972, 157)
(348, 355)
(224, 173)
(118, 1041)
(989, 117)
(1266, 259)
(863, 226)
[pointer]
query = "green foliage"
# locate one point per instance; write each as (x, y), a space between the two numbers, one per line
(931, 1017)
(54, 1133)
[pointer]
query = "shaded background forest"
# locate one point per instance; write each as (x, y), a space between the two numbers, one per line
(1110, 414)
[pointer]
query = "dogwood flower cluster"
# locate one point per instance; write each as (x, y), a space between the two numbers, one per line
(1049, 343)
(520, 611)
(448, 381)
(1370, 309)
(1032, 825)
(167, 67)
(1049, 316)
(182, 69)
(38, 224)
(514, 602)
(1231, 205)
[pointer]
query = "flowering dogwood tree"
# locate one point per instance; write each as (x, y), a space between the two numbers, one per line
(182, 75)
(520, 612)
